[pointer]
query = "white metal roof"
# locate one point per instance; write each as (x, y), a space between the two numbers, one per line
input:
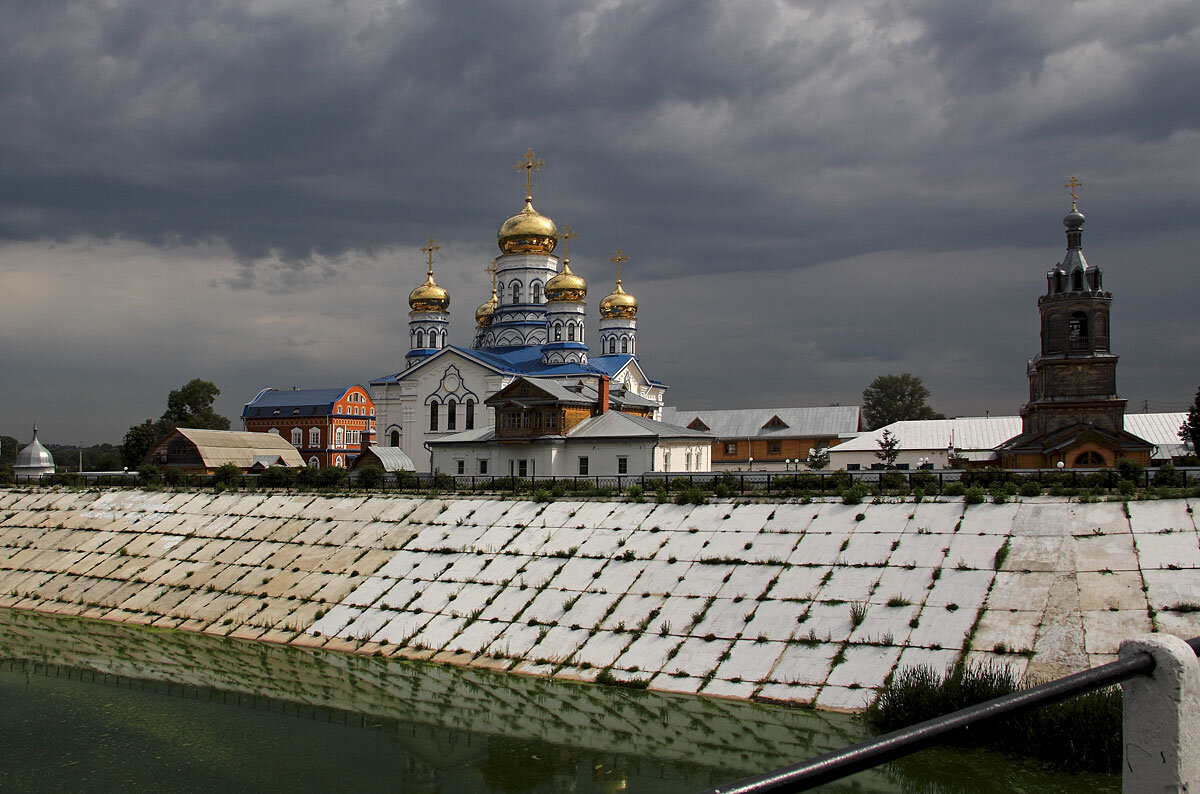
(831, 420)
(988, 432)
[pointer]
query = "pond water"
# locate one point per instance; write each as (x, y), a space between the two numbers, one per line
(87, 705)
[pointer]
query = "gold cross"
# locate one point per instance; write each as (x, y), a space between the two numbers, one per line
(1071, 185)
(429, 248)
(618, 258)
(492, 269)
(529, 163)
(567, 235)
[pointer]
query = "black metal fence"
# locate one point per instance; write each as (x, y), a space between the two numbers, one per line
(897, 744)
(722, 484)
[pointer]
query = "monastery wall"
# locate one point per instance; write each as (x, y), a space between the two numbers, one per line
(801, 603)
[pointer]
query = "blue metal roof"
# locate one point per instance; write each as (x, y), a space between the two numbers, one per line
(310, 401)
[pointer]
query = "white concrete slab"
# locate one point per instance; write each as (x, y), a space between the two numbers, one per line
(804, 664)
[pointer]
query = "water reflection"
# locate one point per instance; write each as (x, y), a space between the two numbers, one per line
(452, 728)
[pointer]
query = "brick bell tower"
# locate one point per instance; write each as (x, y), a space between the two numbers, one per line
(1074, 414)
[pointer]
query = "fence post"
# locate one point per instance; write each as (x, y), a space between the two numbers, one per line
(1160, 730)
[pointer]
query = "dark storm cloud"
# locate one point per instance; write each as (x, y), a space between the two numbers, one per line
(751, 142)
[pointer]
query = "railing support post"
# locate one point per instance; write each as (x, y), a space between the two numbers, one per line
(1161, 727)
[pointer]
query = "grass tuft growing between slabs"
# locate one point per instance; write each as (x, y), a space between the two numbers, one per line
(1076, 735)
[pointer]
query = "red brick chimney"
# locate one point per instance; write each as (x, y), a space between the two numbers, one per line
(603, 393)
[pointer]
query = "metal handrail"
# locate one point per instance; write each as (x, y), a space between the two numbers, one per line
(897, 744)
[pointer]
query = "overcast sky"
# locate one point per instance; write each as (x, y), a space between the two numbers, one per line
(811, 194)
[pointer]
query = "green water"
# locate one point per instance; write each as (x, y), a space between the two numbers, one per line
(175, 711)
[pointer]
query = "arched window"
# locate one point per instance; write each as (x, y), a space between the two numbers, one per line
(297, 436)
(314, 462)
(395, 438)
(1077, 280)
(558, 332)
(1077, 330)
(339, 437)
(624, 344)
(452, 415)
(570, 332)
(314, 436)
(420, 339)
(1089, 459)
(433, 416)
(612, 345)
(339, 461)
(469, 419)
(535, 292)
(500, 293)
(516, 292)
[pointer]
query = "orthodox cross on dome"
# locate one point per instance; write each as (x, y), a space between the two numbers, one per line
(529, 163)
(1071, 186)
(429, 248)
(567, 234)
(617, 259)
(492, 269)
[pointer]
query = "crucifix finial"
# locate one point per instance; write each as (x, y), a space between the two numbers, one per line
(567, 234)
(1072, 185)
(617, 259)
(492, 269)
(529, 163)
(429, 248)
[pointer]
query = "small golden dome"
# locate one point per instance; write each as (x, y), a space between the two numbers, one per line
(483, 315)
(566, 286)
(429, 297)
(618, 303)
(527, 232)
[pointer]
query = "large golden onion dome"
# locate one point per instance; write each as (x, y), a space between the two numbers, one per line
(527, 232)
(618, 303)
(483, 315)
(429, 297)
(566, 286)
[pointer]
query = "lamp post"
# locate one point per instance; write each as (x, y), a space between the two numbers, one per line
(750, 463)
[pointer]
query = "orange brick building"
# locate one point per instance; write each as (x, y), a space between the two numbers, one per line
(326, 426)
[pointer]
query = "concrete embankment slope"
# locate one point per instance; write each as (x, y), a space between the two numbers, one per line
(804, 603)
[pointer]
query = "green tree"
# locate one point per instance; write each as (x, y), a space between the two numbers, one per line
(191, 405)
(8, 451)
(1190, 429)
(140, 440)
(895, 398)
(889, 449)
(817, 458)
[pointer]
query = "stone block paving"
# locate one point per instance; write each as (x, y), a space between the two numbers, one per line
(800, 603)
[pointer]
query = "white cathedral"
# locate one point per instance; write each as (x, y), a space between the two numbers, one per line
(440, 409)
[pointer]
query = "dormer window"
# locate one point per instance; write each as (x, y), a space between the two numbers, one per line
(775, 423)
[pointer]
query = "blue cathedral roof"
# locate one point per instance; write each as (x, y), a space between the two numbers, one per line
(527, 360)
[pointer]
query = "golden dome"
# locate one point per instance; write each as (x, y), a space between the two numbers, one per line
(527, 232)
(618, 303)
(566, 286)
(429, 297)
(483, 315)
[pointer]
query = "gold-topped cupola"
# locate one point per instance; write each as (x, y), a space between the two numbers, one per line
(566, 286)
(619, 303)
(529, 231)
(429, 297)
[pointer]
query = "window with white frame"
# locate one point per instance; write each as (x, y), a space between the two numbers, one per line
(583, 464)
(314, 436)
(339, 437)
(460, 467)
(297, 436)
(622, 464)
(483, 466)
